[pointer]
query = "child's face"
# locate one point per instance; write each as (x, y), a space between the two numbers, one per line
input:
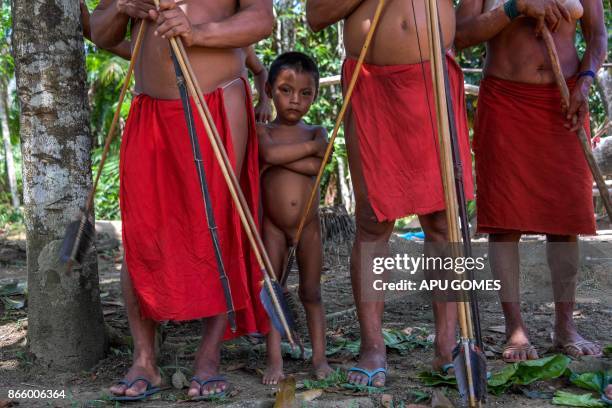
(293, 93)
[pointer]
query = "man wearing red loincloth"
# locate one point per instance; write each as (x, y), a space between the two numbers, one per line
(170, 271)
(393, 153)
(531, 173)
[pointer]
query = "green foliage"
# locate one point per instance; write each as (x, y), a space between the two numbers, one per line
(523, 373)
(8, 214)
(7, 65)
(574, 400)
(597, 381)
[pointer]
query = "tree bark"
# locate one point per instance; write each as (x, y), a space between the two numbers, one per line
(65, 322)
(604, 85)
(8, 149)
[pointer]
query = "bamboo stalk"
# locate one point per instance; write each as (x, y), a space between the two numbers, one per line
(338, 124)
(585, 142)
(448, 177)
(111, 131)
(228, 174)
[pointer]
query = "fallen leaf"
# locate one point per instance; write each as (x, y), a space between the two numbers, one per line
(439, 400)
(179, 380)
(235, 367)
(386, 400)
(8, 403)
(498, 329)
(286, 394)
(309, 395)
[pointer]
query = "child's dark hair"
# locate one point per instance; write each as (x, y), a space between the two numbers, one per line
(296, 61)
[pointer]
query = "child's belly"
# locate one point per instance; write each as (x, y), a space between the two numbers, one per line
(285, 194)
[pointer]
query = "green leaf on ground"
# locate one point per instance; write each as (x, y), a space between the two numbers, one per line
(335, 379)
(419, 396)
(575, 400)
(395, 339)
(527, 372)
(433, 379)
(608, 350)
(13, 304)
(523, 373)
(591, 381)
(13, 289)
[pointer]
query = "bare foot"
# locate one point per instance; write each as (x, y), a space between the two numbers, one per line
(273, 374)
(608, 392)
(207, 362)
(569, 342)
(444, 344)
(148, 371)
(370, 360)
(518, 348)
(321, 370)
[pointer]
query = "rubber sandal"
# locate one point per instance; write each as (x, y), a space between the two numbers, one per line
(213, 396)
(577, 346)
(150, 390)
(369, 374)
(446, 368)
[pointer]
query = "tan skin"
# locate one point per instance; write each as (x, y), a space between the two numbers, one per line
(395, 42)
(215, 33)
(516, 53)
(291, 153)
(123, 49)
(263, 109)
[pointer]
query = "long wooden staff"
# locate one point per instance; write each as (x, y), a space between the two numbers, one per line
(585, 142)
(79, 234)
(330, 146)
(278, 315)
(466, 347)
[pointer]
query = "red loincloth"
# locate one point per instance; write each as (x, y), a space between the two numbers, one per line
(168, 247)
(397, 137)
(530, 170)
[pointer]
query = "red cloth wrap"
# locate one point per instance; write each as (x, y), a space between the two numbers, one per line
(398, 140)
(168, 247)
(531, 172)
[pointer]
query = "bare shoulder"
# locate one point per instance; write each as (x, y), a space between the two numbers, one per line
(319, 132)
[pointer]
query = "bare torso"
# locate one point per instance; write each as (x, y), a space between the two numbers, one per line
(214, 67)
(516, 53)
(285, 192)
(397, 37)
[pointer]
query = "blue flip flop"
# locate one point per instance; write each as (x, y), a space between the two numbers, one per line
(446, 367)
(209, 397)
(150, 390)
(606, 399)
(369, 374)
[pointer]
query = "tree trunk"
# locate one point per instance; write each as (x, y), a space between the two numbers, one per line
(8, 149)
(604, 85)
(345, 191)
(65, 322)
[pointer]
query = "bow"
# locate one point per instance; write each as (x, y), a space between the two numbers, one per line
(469, 361)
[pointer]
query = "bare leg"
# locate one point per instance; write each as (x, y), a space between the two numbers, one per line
(370, 304)
(234, 96)
(143, 333)
(504, 255)
(208, 357)
(275, 242)
(563, 254)
(310, 261)
(445, 313)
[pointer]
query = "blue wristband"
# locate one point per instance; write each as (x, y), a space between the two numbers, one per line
(511, 9)
(588, 73)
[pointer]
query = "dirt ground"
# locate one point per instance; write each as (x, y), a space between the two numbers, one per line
(244, 359)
